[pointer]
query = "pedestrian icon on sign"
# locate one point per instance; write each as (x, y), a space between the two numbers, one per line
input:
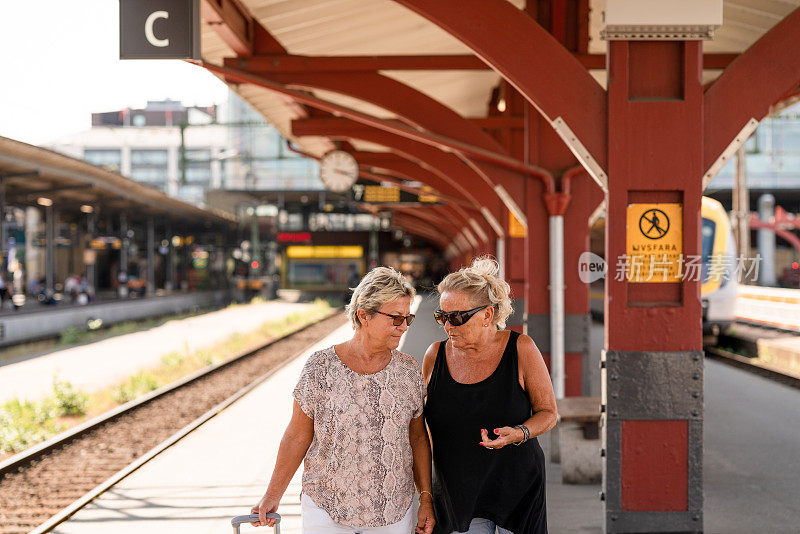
(654, 224)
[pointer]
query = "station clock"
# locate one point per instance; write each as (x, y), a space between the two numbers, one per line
(338, 170)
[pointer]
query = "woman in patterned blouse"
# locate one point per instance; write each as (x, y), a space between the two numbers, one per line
(358, 424)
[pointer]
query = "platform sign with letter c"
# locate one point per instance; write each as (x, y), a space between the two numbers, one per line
(159, 29)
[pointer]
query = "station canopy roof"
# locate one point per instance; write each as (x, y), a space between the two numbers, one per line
(30, 173)
(383, 27)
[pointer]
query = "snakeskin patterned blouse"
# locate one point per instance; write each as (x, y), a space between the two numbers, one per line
(359, 465)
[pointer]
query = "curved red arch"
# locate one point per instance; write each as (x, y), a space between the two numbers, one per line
(446, 166)
(540, 68)
(416, 108)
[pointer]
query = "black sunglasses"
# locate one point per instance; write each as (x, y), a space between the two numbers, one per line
(397, 320)
(456, 318)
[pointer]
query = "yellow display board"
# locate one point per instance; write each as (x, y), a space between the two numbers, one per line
(296, 251)
(377, 193)
(515, 228)
(654, 243)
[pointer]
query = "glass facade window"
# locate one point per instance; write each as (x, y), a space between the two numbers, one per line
(149, 157)
(109, 159)
(772, 155)
(150, 167)
(263, 161)
(149, 175)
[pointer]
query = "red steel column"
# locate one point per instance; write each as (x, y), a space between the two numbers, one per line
(547, 150)
(585, 197)
(653, 376)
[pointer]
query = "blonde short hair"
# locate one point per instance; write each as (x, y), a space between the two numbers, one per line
(481, 280)
(379, 286)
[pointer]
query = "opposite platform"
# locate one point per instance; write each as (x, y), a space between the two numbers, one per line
(102, 363)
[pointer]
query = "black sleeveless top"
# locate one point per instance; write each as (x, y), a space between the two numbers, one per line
(505, 486)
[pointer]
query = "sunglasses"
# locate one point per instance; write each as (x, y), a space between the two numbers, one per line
(397, 320)
(456, 318)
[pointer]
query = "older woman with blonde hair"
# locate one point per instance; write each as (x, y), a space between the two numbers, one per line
(488, 396)
(358, 423)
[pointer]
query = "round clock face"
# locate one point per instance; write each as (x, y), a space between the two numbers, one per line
(338, 170)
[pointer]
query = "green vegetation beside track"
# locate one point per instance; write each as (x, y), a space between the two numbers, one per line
(25, 423)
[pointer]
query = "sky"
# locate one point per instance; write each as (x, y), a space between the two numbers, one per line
(59, 63)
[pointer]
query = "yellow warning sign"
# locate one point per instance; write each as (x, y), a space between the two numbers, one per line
(515, 228)
(654, 240)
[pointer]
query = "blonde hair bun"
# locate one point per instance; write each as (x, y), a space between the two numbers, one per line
(486, 266)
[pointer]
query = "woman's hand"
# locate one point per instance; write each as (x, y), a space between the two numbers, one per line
(507, 436)
(267, 505)
(425, 520)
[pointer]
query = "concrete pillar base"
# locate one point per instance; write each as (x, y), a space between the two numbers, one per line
(580, 462)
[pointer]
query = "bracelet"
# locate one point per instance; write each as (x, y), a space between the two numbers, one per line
(424, 491)
(526, 434)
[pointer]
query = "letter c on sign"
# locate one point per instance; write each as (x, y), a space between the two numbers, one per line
(148, 29)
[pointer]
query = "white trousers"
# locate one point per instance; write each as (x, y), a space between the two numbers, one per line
(317, 521)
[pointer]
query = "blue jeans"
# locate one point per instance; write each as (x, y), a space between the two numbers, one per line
(484, 526)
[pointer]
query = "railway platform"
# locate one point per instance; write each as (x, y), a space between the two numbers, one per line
(221, 469)
(34, 322)
(102, 363)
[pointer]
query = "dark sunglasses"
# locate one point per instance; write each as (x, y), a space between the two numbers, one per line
(456, 318)
(397, 320)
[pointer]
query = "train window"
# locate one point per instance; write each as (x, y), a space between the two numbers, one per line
(708, 231)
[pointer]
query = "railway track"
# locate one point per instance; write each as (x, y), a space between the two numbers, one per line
(43, 486)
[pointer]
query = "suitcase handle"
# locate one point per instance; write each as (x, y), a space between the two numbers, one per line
(253, 518)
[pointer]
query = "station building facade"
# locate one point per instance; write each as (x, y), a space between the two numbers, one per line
(186, 151)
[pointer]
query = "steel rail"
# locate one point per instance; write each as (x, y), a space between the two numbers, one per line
(87, 498)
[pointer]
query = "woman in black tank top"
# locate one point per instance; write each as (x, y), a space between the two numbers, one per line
(489, 396)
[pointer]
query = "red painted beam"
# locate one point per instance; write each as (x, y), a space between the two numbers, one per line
(368, 174)
(558, 26)
(282, 63)
(419, 228)
(416, 108)
(389, 162)
(547, 74)
(468, 214)
(499, 122)
(446, 166)
(751, 85)
(411, 105)
(439, 162)
(401, 184)
(292, 63)
(233, 75)
(232, 22)
(428, 216)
